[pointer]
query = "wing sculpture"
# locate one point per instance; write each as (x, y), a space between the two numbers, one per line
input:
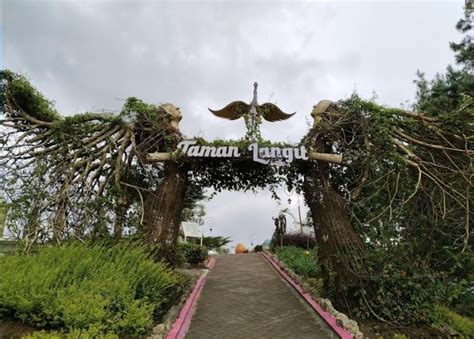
(271, 112)
(232, 111)
(237, 109)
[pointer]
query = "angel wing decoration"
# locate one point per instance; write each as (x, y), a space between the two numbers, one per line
(271, 112)
(253, 111)
(232, 111)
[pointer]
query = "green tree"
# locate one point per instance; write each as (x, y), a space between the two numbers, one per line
(215, 243)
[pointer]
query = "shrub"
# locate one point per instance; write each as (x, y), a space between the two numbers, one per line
(397, 290)
(83, 287)
(300, 240)
(258, 248)
(74, 334)
(300, 261)
(193, 254)
(464, 302)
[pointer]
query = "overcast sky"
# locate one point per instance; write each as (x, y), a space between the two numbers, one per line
(91, 55)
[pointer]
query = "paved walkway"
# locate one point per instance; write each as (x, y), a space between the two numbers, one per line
(246, 298)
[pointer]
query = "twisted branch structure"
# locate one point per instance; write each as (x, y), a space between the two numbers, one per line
(401, 170)
(87, 163)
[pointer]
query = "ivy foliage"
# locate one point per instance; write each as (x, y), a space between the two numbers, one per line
(147, 116)
(28, 98)
(243, 174)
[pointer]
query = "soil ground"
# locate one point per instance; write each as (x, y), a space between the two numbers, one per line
(14, 329)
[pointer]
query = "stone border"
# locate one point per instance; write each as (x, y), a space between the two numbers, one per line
(183, 321)
(337, 321)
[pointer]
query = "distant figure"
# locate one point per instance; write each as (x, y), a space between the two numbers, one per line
(280, 230)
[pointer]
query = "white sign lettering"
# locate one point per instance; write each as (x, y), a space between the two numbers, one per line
(260, 154)
(190, 148)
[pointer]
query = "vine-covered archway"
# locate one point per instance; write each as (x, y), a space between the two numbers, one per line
(363, 169)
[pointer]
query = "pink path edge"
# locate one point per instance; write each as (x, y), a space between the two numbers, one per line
(327, 317)
(182, 323)
(211, 263)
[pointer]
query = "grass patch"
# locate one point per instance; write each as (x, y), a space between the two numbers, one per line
(301, 261)
(463, 325)
(74, 334)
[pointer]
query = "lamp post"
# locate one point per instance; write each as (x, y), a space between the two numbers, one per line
(202, 233)
(252, 238)
(299, 212)
(299, 209)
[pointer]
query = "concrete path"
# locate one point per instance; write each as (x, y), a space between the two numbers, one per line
(246, 298)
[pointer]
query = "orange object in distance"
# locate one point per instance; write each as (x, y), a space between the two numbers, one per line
(240, 248)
